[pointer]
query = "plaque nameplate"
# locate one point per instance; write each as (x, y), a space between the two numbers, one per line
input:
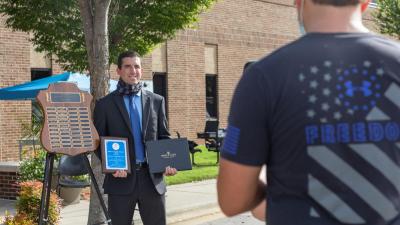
(65, 97)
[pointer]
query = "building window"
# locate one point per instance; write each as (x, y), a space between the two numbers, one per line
(160, 87)
(211, 71)
(39, 73)
(211, 96)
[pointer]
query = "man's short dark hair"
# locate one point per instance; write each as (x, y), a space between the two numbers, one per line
(338, 2)
(127, 54)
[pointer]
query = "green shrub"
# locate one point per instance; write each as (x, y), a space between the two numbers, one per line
(84, 177)
(33, 168)
(19, 219)
(28, 205)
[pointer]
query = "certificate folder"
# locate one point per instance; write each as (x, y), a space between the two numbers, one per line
(168, 152)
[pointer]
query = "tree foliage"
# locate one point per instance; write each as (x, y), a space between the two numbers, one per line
(56, 25)
(388, 17)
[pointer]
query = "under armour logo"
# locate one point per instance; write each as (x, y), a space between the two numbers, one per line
(365, 88)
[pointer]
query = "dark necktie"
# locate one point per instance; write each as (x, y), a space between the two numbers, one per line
(137, 131)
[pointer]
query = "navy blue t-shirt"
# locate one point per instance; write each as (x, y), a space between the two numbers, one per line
(323, 114)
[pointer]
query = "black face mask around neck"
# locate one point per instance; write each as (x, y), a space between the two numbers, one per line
(127, 89)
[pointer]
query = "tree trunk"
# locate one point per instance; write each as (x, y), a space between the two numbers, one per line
(94, 14)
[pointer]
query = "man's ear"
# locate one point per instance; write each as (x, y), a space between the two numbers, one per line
(297, 3)
(364, 5)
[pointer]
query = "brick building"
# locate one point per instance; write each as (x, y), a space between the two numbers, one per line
(197, 71)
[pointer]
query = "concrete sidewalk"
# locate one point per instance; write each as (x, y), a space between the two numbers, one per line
(6, 205)
(183, 203)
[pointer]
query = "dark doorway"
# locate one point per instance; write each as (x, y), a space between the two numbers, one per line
(211, 96)
(160, 87)
(39, 73)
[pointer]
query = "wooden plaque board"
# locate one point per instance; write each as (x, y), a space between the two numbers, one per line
(68, 128)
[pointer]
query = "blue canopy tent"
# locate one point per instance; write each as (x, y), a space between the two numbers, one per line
(29, 90)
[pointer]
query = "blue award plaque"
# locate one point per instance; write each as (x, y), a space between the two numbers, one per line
(115, 154)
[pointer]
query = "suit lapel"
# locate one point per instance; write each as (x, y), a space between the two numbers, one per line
(145, 111)
(119, 101)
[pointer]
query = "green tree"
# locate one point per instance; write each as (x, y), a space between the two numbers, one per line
(388, 17)
(87, 35)
(57, 26)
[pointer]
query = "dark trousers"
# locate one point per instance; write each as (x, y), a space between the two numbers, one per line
(151, 204)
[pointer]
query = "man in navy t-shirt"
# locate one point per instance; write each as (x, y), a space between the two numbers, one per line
(322, 113)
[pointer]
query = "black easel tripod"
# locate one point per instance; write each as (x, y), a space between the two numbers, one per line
(45, 200)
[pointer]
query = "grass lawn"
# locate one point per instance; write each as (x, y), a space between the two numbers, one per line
(206, 168)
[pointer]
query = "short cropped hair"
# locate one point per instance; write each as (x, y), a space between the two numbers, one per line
(338, 2)
(127, 54)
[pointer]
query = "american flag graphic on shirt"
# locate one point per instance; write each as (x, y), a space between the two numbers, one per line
(351, 113)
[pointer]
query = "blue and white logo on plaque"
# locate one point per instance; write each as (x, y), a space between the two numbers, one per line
(116, 155)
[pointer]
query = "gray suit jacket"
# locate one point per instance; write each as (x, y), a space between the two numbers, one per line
(112, 119)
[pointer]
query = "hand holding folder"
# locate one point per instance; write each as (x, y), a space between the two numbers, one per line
(168, 153)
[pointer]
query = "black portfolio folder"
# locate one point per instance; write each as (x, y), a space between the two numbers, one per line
(168, 152)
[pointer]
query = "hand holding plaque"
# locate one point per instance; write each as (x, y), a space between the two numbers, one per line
(115, 154)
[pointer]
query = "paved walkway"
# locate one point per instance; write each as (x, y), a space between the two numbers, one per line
(6, 205)
(184, 202)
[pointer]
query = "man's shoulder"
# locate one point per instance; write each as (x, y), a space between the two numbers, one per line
(385, 39)
(153, 95)
(315, 44)
(385, 44)
(282, 54)
(106, 98)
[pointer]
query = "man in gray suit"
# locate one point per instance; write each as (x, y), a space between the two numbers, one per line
(138, 115)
